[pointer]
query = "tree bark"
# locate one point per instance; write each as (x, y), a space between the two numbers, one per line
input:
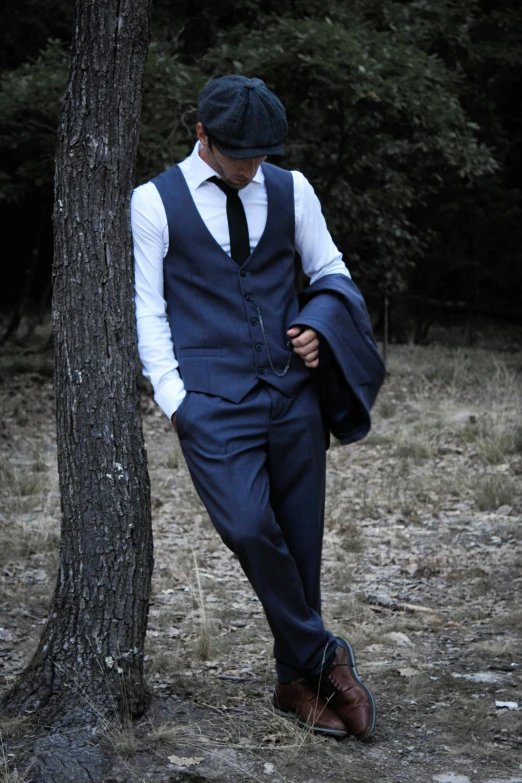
(90, 656)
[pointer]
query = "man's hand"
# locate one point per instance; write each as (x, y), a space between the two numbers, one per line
(306, 345)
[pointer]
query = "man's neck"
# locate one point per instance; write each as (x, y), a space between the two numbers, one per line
(204, 155)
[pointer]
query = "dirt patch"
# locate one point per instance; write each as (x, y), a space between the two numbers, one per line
(422, 572)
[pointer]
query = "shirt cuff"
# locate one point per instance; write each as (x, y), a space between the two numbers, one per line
(169, 396)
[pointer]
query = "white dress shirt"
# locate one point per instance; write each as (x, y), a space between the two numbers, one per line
(151, 242)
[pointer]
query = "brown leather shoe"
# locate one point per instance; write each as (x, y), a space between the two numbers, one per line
(311, 711)
(346, 695)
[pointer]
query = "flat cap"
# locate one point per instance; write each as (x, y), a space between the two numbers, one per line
(243, 117)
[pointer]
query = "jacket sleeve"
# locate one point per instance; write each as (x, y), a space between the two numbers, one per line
(351, 370)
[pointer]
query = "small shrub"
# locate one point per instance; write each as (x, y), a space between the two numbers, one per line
(494, 436)
(495, 491)
(352, 538)
(121, 737)
(31, 484)
(378, 439)
(388, 409)
(172, 462)
(205, 644)
(516, 439)
(24, 540)
(166, 663)
(413, 449)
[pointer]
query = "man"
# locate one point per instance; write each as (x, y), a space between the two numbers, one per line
(215, 241)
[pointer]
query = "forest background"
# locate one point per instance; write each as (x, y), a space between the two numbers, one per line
(404, 116)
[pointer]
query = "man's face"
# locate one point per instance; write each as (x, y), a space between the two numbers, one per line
(236, 173)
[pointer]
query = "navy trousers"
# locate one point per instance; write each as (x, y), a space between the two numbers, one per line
(259, 468)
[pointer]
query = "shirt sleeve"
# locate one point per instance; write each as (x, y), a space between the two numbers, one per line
(156, 350)
(313, 242)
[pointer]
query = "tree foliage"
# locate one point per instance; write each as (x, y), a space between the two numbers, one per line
(377, 125)
(400, 114)
(30, 102)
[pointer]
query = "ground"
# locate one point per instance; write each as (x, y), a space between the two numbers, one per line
(422, 573)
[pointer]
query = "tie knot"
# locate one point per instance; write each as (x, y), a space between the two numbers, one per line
(227, 189)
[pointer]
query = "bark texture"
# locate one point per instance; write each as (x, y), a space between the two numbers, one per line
(90, 656)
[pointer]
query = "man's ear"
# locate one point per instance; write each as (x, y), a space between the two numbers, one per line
(202, 136)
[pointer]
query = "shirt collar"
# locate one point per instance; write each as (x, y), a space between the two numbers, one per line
(201, 171)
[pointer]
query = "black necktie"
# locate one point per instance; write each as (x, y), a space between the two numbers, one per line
(237, 222)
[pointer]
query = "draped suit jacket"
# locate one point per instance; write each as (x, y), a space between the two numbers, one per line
(351, 370)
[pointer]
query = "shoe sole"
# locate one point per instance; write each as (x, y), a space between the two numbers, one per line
(373, 715)
(337, 733)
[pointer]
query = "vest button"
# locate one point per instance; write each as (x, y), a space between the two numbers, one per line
(248, 297)
(259, 347)
(261, 370)
(243, 273)
(254, 321)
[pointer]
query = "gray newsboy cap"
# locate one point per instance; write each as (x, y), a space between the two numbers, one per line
(243, 117)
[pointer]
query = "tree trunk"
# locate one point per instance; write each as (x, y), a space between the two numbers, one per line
(90, 656)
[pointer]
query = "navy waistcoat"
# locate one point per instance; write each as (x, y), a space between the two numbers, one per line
(211, 301)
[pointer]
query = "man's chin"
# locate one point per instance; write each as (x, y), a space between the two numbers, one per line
(238, 184)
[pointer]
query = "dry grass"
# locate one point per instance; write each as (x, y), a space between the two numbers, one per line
(496, 648)
(287, 736)
(204, 648)
(352, 540)
(12, 776)
(411, 447)
(388, 408)
(122, 738)
(176, 734)
(26, 539)
(466, 720)
(411, 514)
(510, 621)
(496, 436)
(10, 726)
(25, 493)
(173, 460)
(9, 773)
(167, 663)
(264, 731)
(495, 490)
